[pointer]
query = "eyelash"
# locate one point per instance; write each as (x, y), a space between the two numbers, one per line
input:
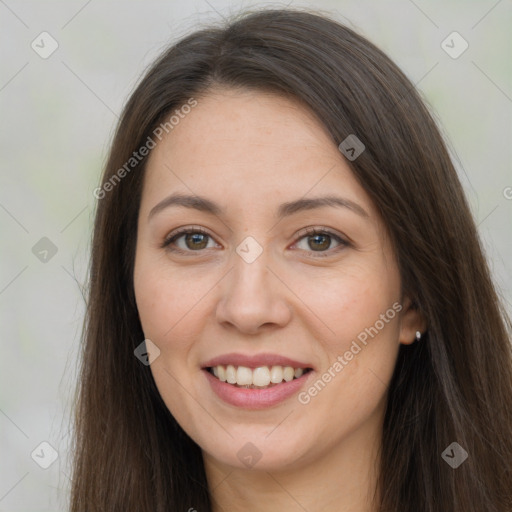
(306, 232)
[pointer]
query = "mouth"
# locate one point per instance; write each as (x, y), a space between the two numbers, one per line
(256, 381)
(262, 377)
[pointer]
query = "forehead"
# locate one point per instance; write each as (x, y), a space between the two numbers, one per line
(251, 145)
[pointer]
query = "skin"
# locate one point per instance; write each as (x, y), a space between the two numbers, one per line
(307, 299)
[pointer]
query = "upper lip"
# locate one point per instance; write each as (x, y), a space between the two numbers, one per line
(254, 361)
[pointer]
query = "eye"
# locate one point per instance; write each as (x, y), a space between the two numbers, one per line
(194, 240)
(320, 240)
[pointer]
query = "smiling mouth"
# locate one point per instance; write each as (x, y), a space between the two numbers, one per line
(256, 378)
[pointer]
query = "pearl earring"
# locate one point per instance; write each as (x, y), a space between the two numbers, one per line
(418, 335)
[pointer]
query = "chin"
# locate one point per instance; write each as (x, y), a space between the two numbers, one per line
(258, 453)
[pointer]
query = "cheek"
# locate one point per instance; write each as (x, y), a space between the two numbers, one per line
(172, 316)
(361, 309)
(358, 312)
(349, 300)
(169, 301)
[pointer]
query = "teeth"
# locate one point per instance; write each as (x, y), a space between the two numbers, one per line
(243, 376)
(276, 374)
(230, 374)
(262, 376)
(288, 373)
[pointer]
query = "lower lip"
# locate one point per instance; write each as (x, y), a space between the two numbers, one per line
(256, 398)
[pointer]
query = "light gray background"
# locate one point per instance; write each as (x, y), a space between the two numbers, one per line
(58, 115)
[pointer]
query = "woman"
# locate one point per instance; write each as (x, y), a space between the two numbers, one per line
(289, 306)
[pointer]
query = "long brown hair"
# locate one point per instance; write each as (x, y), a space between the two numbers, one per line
(455, 385)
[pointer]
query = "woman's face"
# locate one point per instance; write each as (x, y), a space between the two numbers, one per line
(255, 291)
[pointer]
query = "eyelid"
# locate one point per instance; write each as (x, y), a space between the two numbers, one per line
(313, 230)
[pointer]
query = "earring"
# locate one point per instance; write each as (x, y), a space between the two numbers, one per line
(418, 335)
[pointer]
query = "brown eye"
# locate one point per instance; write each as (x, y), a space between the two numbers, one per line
(195, 240)
(320, 241)
(187, 240)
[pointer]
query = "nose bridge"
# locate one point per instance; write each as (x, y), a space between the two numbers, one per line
(250, 266)
(249, 279)
(251, 295)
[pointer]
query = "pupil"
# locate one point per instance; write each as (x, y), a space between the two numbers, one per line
(197, 237)
(325, 245)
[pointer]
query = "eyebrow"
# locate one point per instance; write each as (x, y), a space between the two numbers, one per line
(284, 210)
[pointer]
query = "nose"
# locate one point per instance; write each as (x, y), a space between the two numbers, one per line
(253, 298)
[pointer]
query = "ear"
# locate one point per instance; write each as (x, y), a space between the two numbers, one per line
(411, 321)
